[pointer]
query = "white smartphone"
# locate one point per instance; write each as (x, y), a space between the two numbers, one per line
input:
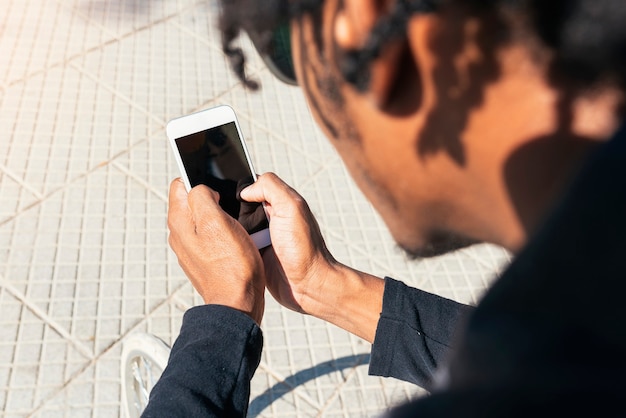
(209, 149)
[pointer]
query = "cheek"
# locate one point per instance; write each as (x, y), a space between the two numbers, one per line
(406, 209)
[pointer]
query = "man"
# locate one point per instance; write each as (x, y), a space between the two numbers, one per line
(462, 122)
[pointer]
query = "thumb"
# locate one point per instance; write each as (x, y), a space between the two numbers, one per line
(177, 195)
(268, 188)
(179, 218)
(253, 193)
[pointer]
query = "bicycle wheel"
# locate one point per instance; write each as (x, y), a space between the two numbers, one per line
(144, 358)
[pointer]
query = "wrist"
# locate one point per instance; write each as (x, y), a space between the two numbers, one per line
(254, 309)
(347, 298)
(248, 297)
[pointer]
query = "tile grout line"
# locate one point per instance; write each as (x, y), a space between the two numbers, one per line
(335, 394)
(193, 34)
(452, 286)
(295, 389)
(358, 250)
(99, 291)
(212, 45)
(20, 31)
(46, 318)
(21, 182)
(118, 94)
(325, 166)
(221, 94)
(53, 291)
(139, 180)
(273, 163)
(3, 25)
(288, 343)
(310, 338)
(78, 177)
(118, 39)
(9, 378)
(135, 30)
(115, 38)
(88, 20)
(479, 260)
(263, 128)
(65, 62)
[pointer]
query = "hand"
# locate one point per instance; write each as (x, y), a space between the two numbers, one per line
(214, 251)
(298, 262)
(302, 275)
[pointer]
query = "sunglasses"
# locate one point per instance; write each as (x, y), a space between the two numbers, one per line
(277, 56)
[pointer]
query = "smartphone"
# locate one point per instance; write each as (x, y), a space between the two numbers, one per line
(210, 150)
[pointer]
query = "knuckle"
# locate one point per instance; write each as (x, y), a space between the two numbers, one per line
(214, 195)
(299, 201)
(269, 177)
(195, 190)
(173, 242)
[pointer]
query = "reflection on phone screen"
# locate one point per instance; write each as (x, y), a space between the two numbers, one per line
(216, 158)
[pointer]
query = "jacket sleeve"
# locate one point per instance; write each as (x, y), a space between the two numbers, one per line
(210, 366)
(414, 333)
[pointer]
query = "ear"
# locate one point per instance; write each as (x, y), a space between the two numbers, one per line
(354, 22)
(353, 25)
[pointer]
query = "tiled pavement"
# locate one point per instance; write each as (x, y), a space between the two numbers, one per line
(86, 87)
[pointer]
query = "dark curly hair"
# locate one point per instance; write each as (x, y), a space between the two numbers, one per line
(587, 38)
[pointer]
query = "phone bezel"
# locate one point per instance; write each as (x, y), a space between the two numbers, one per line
(202, 121)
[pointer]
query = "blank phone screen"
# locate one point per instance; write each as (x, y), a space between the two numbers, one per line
(216, 158)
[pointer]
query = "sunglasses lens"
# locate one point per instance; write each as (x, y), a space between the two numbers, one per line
(281, 54)
(277, 55)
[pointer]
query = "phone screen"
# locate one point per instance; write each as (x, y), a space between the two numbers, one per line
(216, 158)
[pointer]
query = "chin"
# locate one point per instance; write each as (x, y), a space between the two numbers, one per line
(437, 243)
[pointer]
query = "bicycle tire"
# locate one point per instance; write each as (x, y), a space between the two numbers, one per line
(143, 360)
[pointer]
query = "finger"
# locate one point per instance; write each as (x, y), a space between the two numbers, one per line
(269, 188)
(242, 184)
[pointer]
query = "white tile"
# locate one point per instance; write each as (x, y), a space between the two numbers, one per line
(63, 125)
(93, 257)
(36, 35)
(270, 154)
(201, 20)
(124, 18)
(162, 69)
(270, 397)
(35, 362)
(152, 163)
(14, 196)
(96, 391)
(368, 396)
(281, 111)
